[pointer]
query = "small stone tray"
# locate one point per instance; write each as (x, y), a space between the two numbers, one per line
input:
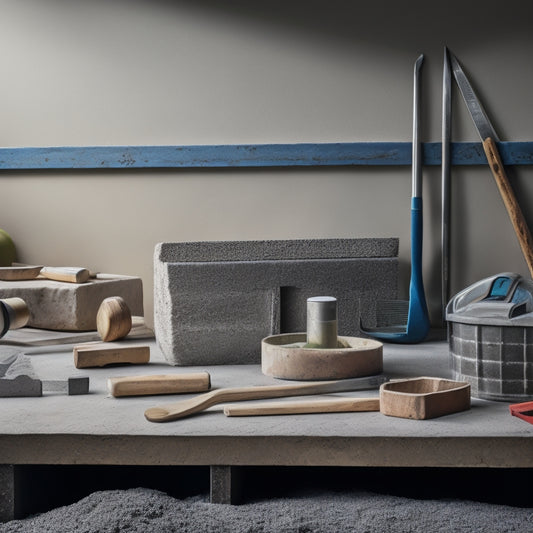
(422, 398)
(285, 356)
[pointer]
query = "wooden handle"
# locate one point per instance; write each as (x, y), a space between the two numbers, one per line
(337, 405)
(513, 209)
(68, 274)
(102, 354)
(159, 384)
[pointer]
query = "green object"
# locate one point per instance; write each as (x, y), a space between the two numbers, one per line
(8, 254)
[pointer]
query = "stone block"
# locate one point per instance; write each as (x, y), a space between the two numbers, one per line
(58, 305)
(215, 301)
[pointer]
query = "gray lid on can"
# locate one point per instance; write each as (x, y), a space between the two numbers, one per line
(504, 299)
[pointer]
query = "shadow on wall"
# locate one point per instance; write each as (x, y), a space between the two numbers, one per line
(380, 23)
(381, 28)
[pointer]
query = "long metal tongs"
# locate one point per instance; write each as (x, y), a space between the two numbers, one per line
(489, 138)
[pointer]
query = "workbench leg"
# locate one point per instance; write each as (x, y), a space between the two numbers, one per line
(7, 492)
(225, 484)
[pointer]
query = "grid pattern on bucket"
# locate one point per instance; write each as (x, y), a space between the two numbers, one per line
(497, 361)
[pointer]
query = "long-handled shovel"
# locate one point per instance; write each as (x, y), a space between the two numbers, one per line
(408, 321)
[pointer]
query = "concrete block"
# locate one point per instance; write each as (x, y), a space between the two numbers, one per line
(216, 251)
(214, 302)
(66, 306)
(226, 483)
(8, 511)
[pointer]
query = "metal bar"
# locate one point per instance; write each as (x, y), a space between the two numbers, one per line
(446, 181)
(416, 188)
(253, 155)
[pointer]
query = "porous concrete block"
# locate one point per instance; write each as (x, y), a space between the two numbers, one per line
(63, 306)
(215, 301)
(217, 251)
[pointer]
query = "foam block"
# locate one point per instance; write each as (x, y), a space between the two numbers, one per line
(66, 306)
(215, 301)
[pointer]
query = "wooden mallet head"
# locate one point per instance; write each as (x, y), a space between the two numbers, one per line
(113, 320)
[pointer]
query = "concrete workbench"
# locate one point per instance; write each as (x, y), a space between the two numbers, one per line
(98, 429)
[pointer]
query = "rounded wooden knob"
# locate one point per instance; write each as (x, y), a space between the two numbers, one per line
(113, 320)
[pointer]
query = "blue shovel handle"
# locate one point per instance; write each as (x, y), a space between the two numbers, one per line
(418, 320)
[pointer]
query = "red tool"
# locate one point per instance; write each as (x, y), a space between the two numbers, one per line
(523, 410)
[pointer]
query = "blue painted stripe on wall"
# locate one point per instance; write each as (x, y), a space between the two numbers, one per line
(252, 155)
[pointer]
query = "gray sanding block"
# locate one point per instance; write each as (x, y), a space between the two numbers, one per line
(18, 379)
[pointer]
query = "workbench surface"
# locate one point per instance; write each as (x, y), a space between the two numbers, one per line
(100, 429)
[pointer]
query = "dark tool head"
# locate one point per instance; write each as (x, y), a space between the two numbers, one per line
(78, 385)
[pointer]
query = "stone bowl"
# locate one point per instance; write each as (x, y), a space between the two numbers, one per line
(285, 356)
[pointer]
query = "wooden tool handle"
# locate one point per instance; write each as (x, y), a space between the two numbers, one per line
(102, 354)
(336, 405)
(159, 384)
(509, 199)
(68, 274)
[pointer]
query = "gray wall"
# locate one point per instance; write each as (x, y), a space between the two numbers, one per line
(116, 72)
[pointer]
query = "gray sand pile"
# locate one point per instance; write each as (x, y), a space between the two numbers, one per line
(149, 511)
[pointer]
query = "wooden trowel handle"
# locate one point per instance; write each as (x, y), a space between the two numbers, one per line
(513, 209)
(335, 405)
(100, 354)
(159, 384)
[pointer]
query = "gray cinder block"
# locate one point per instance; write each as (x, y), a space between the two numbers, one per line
(215, 301)
(66, 306)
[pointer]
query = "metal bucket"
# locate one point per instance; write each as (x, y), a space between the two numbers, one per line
(490, 335)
